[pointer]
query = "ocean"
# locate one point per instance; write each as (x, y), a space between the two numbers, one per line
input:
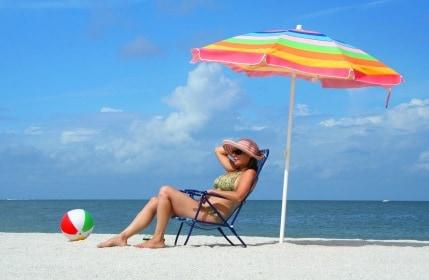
(393, 220)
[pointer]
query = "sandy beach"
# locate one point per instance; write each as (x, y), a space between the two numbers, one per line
(50, 256)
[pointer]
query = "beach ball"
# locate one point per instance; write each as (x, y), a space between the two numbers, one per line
(77, 224)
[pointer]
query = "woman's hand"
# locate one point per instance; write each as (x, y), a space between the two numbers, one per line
(212, 191)
(220, 150)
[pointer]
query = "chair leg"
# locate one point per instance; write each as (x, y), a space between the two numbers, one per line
(221, 231)
(235, 233)
(190, 232)
(177, 236)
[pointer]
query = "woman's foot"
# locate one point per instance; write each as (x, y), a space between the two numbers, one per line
(117, 240)
(153, 244)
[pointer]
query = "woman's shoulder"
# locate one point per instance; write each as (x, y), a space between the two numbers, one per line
(247, 177)
(248, 172)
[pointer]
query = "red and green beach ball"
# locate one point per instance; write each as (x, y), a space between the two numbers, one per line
(77, 224)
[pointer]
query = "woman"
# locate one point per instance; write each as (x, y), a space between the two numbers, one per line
(239, 160)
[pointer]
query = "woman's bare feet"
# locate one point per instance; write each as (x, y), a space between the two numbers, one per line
(118, 240)
(152, 243)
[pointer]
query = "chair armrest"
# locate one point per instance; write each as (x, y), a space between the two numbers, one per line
(216, 195)
(194, 192)
(204, 194)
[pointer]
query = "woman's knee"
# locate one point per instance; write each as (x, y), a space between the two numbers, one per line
(165, 191)
(153, 201)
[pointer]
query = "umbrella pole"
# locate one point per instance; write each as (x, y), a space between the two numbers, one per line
(287, 157)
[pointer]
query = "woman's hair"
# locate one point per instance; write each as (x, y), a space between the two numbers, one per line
(253, 164)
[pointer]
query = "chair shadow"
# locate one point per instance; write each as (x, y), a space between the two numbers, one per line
(330, 243)
(226, 244)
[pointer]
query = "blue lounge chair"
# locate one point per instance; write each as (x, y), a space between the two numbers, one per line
(227, 222)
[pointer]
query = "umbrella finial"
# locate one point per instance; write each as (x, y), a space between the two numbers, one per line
(298, 27)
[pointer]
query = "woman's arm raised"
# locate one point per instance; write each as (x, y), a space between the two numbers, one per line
(223, 158)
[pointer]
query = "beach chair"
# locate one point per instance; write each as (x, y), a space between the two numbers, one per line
(226, 222)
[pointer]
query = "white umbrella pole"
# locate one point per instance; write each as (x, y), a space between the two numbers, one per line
(287, 157)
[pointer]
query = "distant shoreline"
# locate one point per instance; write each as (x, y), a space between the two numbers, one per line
(139, 199)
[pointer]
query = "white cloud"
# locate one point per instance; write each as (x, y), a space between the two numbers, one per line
(33, 130)
(350, 122)
(182, 7)
(342, 9)
(164, 147)
(367, 143)
(140, 47)
(302, 110)
(207, 91)
(63, 4)
(77, 135)
(250, 128)
(207, 95)
(423, 161)
(109, 110)
(407, 117)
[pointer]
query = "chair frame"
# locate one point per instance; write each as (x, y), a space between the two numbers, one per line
(227, 222)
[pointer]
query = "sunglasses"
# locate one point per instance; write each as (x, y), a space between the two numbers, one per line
(237, 152)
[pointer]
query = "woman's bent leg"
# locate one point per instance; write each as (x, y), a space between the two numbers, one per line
(163, 215)
(171, 202)
(141, 221)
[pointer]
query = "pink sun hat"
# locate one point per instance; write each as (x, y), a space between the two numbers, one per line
(246, 145)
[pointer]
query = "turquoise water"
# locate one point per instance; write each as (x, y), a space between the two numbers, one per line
(305, 219)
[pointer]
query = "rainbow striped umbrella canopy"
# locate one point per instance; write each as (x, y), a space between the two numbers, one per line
(306, 54)
(302, 54)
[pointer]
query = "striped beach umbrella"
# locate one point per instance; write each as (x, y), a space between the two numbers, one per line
(301, 54)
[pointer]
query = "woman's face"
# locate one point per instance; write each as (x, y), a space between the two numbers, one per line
(241, 159)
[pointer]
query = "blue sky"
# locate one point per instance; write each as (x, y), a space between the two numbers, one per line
(99, 100)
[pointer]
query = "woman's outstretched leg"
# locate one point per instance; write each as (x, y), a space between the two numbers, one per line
(140, 222)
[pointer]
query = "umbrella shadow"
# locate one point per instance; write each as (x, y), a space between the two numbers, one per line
(359, 243)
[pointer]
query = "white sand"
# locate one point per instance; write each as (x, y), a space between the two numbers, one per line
(50, 256)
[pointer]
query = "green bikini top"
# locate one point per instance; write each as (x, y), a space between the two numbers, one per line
(226, 182)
